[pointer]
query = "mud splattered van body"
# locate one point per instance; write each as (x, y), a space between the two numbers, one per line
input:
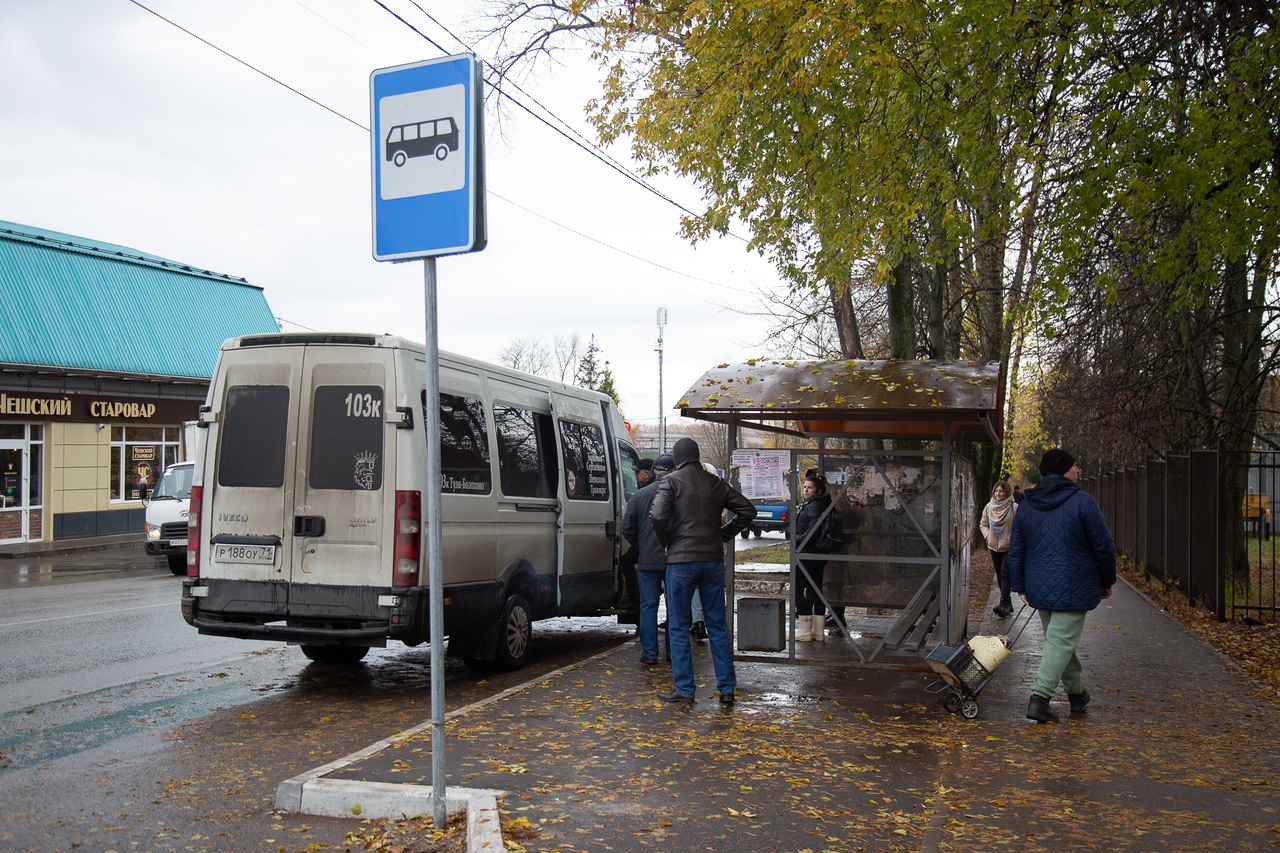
(306, 509)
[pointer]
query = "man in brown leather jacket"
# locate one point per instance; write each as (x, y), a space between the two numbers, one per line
(686, 515)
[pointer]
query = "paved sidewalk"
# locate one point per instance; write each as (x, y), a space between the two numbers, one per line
(1177, 752)
(73, 546)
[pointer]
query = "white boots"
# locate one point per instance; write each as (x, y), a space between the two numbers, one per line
(811, 629)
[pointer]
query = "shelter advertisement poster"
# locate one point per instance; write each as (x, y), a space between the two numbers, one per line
(762, 473)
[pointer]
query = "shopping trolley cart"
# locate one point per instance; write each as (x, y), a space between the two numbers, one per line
(967, 668)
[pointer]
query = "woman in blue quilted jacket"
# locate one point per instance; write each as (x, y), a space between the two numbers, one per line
(1062, 561)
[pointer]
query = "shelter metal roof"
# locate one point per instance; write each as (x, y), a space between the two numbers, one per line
(75, 304)
(883, 398)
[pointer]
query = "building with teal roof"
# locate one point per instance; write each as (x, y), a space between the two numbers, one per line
(106, 352)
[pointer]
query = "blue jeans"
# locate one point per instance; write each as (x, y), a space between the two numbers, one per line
(650, 584)
(706, 580)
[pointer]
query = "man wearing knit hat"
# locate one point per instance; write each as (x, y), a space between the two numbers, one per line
(651, 562)
(1062, 560)
(686, 515)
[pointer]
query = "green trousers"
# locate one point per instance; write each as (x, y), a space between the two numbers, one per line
(1059, 663)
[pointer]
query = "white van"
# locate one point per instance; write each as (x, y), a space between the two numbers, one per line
(166, 515)
(307, 502)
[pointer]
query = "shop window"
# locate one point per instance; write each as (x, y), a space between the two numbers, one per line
(35, 469)
(138, 457)
(26, 460)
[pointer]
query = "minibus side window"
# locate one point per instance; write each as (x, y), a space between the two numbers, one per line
(347, 425)
(526, 452)
(630, 462)
(252, 444)
(464, 447)
(586, 465)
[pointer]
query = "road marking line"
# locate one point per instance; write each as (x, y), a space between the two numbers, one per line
(83, 615)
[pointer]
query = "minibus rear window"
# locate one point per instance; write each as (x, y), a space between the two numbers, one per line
(347, 425)
(253, 429)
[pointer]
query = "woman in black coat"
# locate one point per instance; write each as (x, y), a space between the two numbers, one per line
(811, 614)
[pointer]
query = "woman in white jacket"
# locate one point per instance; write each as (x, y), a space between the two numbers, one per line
(997, 527)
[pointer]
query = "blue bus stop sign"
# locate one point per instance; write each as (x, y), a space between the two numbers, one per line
(427, 137)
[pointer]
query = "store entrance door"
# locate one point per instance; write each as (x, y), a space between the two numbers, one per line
(14, 512)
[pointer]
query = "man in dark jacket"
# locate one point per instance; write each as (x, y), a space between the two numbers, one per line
(686, 515)
(1062, 560)
(651, 564)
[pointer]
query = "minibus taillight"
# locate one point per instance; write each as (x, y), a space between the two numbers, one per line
(408, 538)
(193, 533)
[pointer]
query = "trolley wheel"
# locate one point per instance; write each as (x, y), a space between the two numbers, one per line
(951, 701)
(969, 708)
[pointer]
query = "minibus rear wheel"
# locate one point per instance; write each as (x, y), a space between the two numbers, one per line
(335, 654)
(515, 634)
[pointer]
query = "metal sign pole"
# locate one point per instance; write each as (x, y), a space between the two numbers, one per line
(423, 207)
(435, 564)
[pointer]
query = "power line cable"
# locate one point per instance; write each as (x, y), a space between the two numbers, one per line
(622, 251)
(247, 65)
(490, 191)
(497, 83)
(424, 36)
(339, 29)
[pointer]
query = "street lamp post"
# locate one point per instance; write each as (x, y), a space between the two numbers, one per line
(662, 414)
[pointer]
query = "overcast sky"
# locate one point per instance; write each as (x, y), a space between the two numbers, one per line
(117, 126)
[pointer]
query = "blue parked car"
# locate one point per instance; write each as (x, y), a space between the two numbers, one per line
(769, 517)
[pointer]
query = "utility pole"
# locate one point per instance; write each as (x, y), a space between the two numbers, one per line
(662, 413)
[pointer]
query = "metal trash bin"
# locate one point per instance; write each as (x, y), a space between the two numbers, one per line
(762, 624)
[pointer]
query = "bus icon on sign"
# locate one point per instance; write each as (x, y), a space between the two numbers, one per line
(420, 139)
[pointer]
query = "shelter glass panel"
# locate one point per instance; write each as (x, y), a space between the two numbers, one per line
(891, 510)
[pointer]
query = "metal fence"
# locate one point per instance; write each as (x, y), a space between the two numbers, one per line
(1171, 516)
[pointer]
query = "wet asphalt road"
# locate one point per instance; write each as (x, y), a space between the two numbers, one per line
(122, 728)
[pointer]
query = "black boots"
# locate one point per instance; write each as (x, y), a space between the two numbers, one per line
(1078, 701)
(1038, 709)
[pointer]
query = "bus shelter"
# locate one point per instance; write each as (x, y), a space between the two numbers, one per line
(895, 441)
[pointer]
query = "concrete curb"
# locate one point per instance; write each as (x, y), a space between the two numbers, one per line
(62, 547)
(311, 793)
(377, 800)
